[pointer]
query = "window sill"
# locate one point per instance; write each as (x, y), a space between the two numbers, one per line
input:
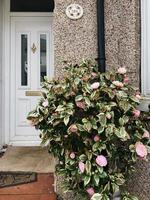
(145, 102)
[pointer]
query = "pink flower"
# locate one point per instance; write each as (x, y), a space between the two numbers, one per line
(126, 80)
(122, 70)
(96, 138)
(73, 128)
(146, 135)
(108, 116)
(118, 84)
(136, 113)
(101, 161)
(90, 191)
(72, 155)
(95, 85)
(94, 74)
(45, 103)
(141, 150)
(138, 96)
(81, 167)
(80, 104)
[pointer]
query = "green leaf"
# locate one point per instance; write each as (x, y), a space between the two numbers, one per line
(78, 98)
(87, 126)
(122, 134)
(83, 157)
(87, 101)
(136, 100)
(60, 108)
(86, 180)
(121, 121)
(88, 167)
(96, 196)
(77, 81)
(100, 129)
(66, 120)
(102, 119)
(96, 179)
(95, 147)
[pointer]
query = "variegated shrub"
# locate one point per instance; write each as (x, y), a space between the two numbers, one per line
(92, 125)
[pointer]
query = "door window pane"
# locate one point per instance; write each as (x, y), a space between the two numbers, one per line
(24, 60)
(43, 57)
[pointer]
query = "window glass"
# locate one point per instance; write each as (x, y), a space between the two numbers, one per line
(43, 57)
(24, 60)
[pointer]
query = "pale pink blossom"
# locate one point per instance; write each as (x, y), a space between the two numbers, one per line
(73, 128)
(138, 96)
(80, 104)
(72, 155)
(126, 80)
(108, 116)
(94, 74)
(146, 134)
(101, 161)
(95, 85)
(90, 191)
(96, 138)
(136, 113)
(45, 103)
(118, 84)
(122, 70)
(141, 150)
(81, 167)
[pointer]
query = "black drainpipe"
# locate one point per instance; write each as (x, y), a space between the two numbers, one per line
(101, 36)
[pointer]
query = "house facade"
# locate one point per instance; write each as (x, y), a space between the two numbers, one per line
(36, 37)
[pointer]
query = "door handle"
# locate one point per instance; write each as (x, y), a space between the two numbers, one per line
(33, 93)
(33, 48)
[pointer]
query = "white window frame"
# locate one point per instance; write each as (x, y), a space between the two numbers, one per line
(145, 55)
(145, 47)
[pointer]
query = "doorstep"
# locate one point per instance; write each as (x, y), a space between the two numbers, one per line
(19, 162)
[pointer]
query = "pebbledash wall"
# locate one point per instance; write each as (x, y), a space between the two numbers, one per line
(77, 39)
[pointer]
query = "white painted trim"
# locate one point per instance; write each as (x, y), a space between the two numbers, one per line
(6, 73)
(145, 46)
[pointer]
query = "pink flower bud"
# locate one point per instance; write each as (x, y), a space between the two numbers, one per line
(81, 167)
(101, 161)
(45, 103)
(136, 113)
(146, 135)
(141, 150)
(72, 155)
(108, 116)
(95, 85)
(122, 70)
(94, 74)
(126, 80)
(80, 104)
(138, 96)
(118, 84)
(73, 128)
(96, 138)
(90, 191)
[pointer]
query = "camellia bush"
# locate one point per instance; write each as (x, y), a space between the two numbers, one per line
(92, 124)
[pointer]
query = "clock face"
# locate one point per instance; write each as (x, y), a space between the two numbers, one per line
(74, 11)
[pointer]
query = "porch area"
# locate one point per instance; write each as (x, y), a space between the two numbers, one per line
(27, 173)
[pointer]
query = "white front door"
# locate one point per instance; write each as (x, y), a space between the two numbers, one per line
(31, 61)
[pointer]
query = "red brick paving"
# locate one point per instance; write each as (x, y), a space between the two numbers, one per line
(41, 190)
